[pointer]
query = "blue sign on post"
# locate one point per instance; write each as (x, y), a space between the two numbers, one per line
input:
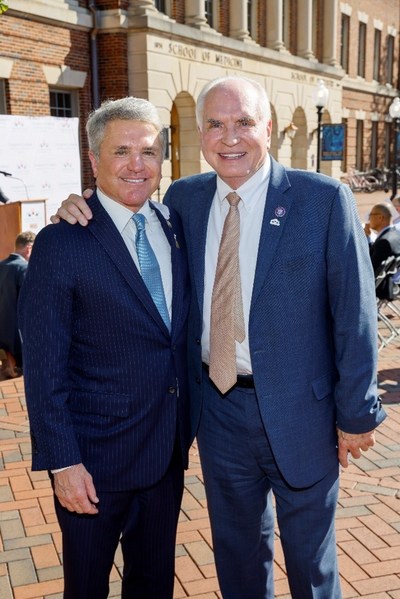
(333, 142)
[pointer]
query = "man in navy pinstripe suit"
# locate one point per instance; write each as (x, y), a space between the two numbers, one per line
(105, 378)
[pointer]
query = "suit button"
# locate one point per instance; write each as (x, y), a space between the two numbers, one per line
(198, 380)
(198, 341)
(171, 390)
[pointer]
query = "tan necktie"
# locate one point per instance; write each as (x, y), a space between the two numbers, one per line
(227, 320)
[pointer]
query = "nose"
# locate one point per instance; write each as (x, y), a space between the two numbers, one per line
(136, 162)
(231, 136)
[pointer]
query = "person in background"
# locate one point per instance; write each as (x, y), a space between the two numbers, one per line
(103, 320)
(286, 388)
(396, 204)
(12, 274)
(387, 241)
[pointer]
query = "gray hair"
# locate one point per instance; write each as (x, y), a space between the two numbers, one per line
(263, 100)
(124, 109)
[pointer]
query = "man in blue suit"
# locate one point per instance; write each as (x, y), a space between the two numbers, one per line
(105, 365)
(12, 274)
(304, 393)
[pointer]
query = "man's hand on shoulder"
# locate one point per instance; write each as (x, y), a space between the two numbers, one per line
(354, 444)
(74, 209)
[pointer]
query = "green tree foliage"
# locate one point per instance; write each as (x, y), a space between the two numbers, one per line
(3, 7)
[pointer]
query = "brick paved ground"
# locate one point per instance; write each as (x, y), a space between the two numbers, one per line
(368, 519)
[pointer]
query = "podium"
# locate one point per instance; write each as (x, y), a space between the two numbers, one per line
(16, 217)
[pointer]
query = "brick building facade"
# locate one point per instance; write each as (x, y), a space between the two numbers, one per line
(62, 57)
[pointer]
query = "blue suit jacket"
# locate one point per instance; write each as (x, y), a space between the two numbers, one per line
(312, 328)
(101, 369)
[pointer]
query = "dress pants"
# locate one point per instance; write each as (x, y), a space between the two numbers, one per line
(240, 475)
(145, 521)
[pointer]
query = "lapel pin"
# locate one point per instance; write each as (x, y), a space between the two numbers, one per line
(280, 211)
(274, 221)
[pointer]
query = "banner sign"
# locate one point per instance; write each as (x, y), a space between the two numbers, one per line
(39, 159)
(333, 142)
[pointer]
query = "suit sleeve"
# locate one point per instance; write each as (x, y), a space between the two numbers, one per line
(45, 318)
(353, 306)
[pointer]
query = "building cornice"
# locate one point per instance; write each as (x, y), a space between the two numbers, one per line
(51, 12)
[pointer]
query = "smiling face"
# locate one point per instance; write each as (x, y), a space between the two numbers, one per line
(235, 134)
(128, 169)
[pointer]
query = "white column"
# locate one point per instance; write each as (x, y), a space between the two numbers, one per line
(142, 7)
(195, 14)
(330, 26)
(275, 25)
(238, 20)
(304, 28)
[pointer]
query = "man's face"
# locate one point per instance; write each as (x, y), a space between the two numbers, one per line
(234, 139)
(28, 251)
(129, 166)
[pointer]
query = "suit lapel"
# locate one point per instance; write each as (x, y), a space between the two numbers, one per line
(103, 228)
(199, 215)
(177, 256)
(276, 211)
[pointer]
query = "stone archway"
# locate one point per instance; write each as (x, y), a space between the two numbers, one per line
(185, 142)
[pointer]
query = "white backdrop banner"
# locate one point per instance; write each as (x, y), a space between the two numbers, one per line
(42, 158)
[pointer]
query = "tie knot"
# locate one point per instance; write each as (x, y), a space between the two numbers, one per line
(140, 221)
(233, 198)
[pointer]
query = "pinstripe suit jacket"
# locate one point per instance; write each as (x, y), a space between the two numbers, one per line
(312, 323)
(102, 371)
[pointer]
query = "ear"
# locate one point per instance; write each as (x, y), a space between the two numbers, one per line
(269, 133)
(93, 162)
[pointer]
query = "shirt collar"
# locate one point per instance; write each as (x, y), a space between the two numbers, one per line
(121, 215)
(250, 190)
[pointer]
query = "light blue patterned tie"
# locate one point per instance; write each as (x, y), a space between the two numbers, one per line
(150, 269)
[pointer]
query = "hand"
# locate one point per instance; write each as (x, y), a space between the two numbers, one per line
(74, 209)
(75, 490)
(353, 444)
(367, 229)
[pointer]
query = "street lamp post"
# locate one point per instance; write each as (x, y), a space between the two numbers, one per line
(394, 111)
(320, 98)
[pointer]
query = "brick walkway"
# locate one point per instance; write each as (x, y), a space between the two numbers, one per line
(368, 520)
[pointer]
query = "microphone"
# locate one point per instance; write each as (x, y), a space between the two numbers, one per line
(5, 174)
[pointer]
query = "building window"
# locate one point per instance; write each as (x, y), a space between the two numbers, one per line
(359, 145)
(63, 103)
(389, 61)
(374, 144)
(377, 55)
(160, 6)
(208, 12)
(362, 39)
(3, 104)
(344, 43)
(344, 161)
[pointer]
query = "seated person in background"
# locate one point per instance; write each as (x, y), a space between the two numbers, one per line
(387, 242)
(12, 274)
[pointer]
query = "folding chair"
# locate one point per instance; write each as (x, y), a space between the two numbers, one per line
(384, 289)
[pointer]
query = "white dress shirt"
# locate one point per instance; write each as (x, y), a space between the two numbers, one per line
(251, 209)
